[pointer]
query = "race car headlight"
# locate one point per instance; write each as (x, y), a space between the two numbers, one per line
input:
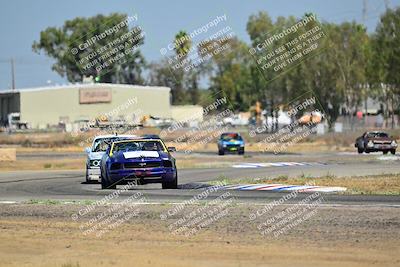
(370, 144)
(167, 163)
(394, 143)
(116, 166)
(95, 163)
(242, 145)
(224, 145)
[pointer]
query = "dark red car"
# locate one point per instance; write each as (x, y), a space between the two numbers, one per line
(375, 141)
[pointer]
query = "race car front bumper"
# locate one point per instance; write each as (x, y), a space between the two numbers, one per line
(145, 176)
(380, 147)
(93, 174)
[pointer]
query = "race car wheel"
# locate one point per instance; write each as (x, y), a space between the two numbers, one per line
(385, 152)
(221, 152)
(360, 150)
(241, 152)
(393, 151)
(172, 184)
(105, 184)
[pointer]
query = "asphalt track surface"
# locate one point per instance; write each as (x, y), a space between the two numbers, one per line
(69, 184)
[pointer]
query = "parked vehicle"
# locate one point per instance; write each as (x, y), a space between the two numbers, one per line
(151, 121)
(375, 141)
(235, 120)
(14, 122)
(311, 118)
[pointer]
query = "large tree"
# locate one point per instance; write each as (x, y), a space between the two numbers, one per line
(349, 43)
(62, 45)
(385, 63)
(229, 69)
(187, 84)
(272, 88)
(336, 73)
(175, 72)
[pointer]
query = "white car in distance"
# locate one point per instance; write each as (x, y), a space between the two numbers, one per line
(96, 151)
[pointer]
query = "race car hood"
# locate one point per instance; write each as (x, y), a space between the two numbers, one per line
(139, 155)
(380, 139)
(95, 155)
(233, 142)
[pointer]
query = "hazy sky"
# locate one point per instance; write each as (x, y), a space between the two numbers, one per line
(22, 20)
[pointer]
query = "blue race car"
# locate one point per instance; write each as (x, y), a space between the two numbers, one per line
(141, 160)
(230, 142)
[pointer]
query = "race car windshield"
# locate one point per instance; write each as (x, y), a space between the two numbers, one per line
(138, 146)
(101, 144)
(377, 135)
(227, 137)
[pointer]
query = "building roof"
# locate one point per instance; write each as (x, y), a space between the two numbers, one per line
(115, 135)
(86, 85)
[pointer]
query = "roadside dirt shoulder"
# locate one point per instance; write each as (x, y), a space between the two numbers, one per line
(45, 235)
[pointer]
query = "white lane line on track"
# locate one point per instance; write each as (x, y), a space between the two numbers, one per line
(8, 202)
(276, 164)
(326, 205)
(388, 158)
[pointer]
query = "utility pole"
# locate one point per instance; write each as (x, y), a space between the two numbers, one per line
(366, 86)
(364, 11)
(12, 74)
(386, 4)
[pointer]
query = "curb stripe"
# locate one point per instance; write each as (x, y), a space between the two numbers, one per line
(282, 187)
(268, 186)
(276, 164)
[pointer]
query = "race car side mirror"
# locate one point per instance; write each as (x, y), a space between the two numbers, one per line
(87, 150)
(171, 149)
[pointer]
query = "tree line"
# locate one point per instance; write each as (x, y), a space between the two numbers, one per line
(353, 66)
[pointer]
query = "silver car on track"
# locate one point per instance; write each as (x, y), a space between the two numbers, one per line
(96, 151)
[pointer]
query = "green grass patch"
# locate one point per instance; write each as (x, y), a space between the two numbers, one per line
(60, 202)
(69, 264)
(44, 201)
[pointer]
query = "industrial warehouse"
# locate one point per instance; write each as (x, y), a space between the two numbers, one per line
(70, 105)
